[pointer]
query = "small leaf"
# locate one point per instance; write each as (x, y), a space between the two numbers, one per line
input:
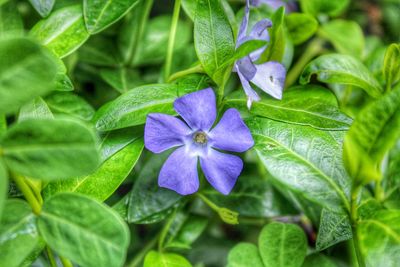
(244, 255)
(213, 38)
(63, 31)
(301, 27)
(35, 109)
(101, 14)
(70, 104)
(276, 48)
(342, 69)
(121, 79)
(158, 259)
(43, 7)
(321, 7)
(282, 245)
(50, 148)
(391, 65)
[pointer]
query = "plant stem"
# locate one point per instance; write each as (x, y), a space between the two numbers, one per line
(171, 40)
(50, 255)
(354, 219)
(66, 262)
(209, 203)
(165, 229)
(313, 49)
(28, 194)
(379, 194)
(139, 257)
(194, 69)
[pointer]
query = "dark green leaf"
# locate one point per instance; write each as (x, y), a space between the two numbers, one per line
(342, 69)
(244, 255)
(3, 185)
(121, 79)
(35, 109)
(276, 48)
(83, 230)
(158, 259)
(27, 70)
(63, 31)
(10, 20)
(391, 66)
(50, 149)
(99, 51)
(301, 27)
(70, 104)
(320, 7)
(43, 7)
(318, 260)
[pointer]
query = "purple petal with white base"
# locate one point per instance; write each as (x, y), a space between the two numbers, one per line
(179, 173)
(198, 109)
(163, 131)
(231, 133)
(249, 91)
(270, 77)
(221, 170)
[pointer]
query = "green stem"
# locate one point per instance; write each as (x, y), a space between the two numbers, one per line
(66, 262)
(209, 203)
(139, 257)
(313, 49)
(164, 231)
(194, 69)
(50, 255)
(28, 194)
(354, 218)
(379, 193)
(171, 40)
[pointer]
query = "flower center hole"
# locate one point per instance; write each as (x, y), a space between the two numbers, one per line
(200, 138)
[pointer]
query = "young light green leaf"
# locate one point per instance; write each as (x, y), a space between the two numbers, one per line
(244, 255)
(121, 79)
(18, 234)
(309, 105)
(43, 7)
(334, 228)
(213, 38)
(319, 260)
(342, 69)
(346, 36)
(63, 82)
(158, 259)
(27, 71)
(10, 20)
(70, 104)
(291, 151)
(63, 31)
(71, 224)
(282, 245)
(321, 7)
(374, 131)
(301, 27)
(35, 109)
(50, 148)
(391, 65)
(101, 14)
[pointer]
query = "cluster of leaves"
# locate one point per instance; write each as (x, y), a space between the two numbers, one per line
(78, 78)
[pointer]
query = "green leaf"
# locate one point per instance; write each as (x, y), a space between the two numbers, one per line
(18, 234)
(63, 82)
(244, 255)
(50, 148)
(70, 104)
(319, 260)
(63, 31)
(99, 51)
(334, 228)
(291, 151)
(276, 48)
(3, 185)
(346, 36)
(301, 27)
(10, 20)
(391, 65)
(373, 133)
(106, 179)
(101, 14)
(148, 202)
(380, 238)
(27, 70)
(43, 7)
(84, 230)
(121, 79)
(282, 245)
(213, 38)
(320, 7)
(341, 69)
(309, 105)
(158, 259)
(35, 109)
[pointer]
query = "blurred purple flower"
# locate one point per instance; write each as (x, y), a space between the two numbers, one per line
(269, 76)
(290, 6)
(197, 141)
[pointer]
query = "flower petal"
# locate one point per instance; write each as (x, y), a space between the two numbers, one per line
(251, 94)
(198, 109)
(179, 173)
(231, 133)
(241, 38)
(270, 77)
(221, 170)
(246, 67)
(260, 32)
(162, 132)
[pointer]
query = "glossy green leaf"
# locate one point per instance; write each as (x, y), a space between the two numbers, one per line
(319, 260)
(346, 36)
(84, 230)
(100, 14)
(27, 70)
(213, 38)
(148, 202)
(158, 259)
(380, 238)
(63, 82)
(301, 27)
(341, 69)
(43, 7)
(320, 7)
(334, 228)
(121, 79)
(50, 148)
(3, 185)
(373, 133)
(106, 179)
(70, 104)
(276, 48)
(290, 152)
(282, 245)
(391, 65)
(18, 234)
(99, 51)
(309, 105)
(35, 109)
(63, 31)
(244, 255)
(10, 20)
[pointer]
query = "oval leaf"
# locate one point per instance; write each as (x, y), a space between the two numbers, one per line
(158, 259)
(244, 255)
(301, 27)
(70, 104)
(391, 65)
(43, 7)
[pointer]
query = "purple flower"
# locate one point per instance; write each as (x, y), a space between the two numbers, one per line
(196, 141)
(269, 76)
(290, 6)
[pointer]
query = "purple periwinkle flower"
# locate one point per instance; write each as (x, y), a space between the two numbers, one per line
(290, 5)
(198, 141)
(269, 76)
